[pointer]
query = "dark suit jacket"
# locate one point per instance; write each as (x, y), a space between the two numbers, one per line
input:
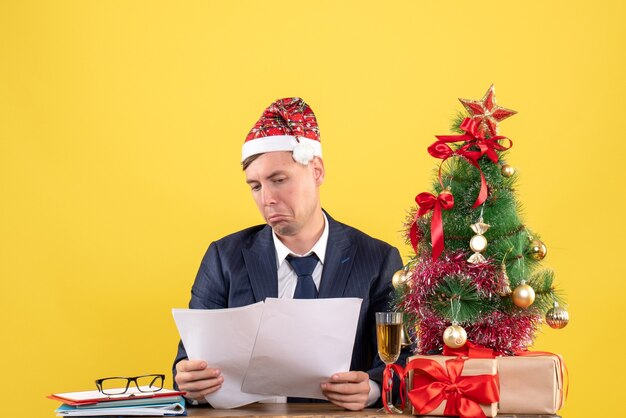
(240, 269)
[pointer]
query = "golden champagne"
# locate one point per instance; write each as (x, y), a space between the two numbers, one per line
(389, 338)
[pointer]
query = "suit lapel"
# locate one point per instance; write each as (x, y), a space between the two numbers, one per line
(260, 261)
(338, 262)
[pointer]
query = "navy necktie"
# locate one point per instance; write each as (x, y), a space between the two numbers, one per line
(304, 266)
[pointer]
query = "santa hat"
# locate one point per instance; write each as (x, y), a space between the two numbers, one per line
(286, 125)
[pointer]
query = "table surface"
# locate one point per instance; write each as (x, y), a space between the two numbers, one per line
(303, 410)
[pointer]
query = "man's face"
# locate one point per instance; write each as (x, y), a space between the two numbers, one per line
(285, 191)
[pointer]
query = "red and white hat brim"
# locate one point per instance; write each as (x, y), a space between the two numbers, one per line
(281, 143)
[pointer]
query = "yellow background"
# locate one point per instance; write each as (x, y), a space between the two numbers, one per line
(121, 124)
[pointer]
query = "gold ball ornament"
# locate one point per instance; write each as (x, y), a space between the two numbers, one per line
(507, 170)
(523, 295)
(537, 250)
(455, 336)
(400, 278)
(557, 317)
(397, 278)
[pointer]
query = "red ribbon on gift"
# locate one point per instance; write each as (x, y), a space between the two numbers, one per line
(427, 202)
(476, 145)
(470, 350)
(432, 384)
(388, 384)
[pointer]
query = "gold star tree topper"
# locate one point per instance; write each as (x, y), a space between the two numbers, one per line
(486, 112)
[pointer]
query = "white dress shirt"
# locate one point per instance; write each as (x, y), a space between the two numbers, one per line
(288, 279)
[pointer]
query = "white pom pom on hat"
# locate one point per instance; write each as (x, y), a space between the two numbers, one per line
(303, 153)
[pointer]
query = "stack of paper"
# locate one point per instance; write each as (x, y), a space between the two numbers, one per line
(280, 347)
(93, 403)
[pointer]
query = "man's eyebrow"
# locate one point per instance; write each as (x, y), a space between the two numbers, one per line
(269, 177)
(276, 174)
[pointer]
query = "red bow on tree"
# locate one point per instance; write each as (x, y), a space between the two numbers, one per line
(427, 202)
(432, 384)
(474, 137)
(476, 145)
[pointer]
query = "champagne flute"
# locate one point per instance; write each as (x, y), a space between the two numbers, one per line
(388, 336)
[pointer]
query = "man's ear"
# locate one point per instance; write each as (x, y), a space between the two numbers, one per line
(317, 167)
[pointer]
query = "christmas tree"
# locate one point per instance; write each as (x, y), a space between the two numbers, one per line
(476, 273)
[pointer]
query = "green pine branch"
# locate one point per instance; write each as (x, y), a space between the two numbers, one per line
(457, 299)
(542, 283)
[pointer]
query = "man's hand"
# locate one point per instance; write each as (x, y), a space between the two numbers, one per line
(197, 379)
(348, 390)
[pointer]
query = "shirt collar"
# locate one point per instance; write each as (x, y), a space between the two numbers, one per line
(319, 248)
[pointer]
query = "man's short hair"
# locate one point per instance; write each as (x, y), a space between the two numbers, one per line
(245, 163)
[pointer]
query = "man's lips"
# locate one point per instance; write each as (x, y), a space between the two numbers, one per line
(276, 218)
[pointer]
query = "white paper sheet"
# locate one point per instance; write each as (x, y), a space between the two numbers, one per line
(300, 344)
(224, 338)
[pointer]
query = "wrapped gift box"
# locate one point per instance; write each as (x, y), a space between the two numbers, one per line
(471, 367)
(530, 384)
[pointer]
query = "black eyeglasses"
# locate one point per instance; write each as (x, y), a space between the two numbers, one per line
(119, 385)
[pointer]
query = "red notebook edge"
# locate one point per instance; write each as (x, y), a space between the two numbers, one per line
(73, 402)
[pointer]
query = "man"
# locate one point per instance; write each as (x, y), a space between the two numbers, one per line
(300, 253)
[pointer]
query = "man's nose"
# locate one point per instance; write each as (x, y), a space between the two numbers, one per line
(267, 196)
